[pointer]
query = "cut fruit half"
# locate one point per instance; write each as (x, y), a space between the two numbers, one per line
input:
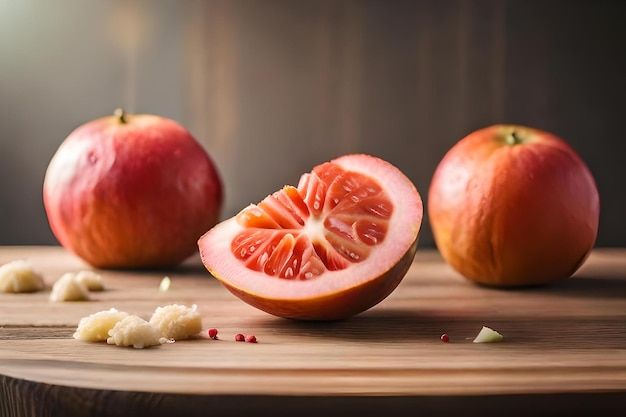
(332, 247)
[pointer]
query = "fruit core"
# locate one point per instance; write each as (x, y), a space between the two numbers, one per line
(332, 219)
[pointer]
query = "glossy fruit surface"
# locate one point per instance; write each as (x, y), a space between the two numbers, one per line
(131, 191)
(513, 206)
(332, 247)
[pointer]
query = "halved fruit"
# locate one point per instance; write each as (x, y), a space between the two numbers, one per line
(332, 247)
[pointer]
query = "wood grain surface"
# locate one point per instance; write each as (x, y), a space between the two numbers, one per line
(564, 351)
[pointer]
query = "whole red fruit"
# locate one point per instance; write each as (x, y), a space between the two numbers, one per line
(512, 205)
(131, 191)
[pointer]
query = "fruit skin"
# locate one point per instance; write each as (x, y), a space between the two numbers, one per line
(131, 191)
(510, 211)
(332, 306)
(369, 283)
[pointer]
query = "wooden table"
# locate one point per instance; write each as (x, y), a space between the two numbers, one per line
(564, 351)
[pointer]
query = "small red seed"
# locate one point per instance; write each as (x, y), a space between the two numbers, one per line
(445, 338)
(251, 338)
(239, 337)
(212, 333)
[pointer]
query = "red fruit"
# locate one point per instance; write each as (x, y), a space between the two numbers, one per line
(511, 205)
(239, 337)
(212, 333)
(251, 338)
(331, 248)
(131, 191)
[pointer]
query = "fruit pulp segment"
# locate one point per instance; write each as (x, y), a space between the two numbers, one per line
(332, 219)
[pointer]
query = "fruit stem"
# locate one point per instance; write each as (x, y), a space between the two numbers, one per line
(513, 139)
(119, 113)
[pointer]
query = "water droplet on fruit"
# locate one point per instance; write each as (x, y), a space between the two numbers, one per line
(373, 240)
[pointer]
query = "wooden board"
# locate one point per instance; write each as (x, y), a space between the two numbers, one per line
(564, 348)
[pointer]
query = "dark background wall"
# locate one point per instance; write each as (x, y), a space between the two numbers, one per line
(273, 87)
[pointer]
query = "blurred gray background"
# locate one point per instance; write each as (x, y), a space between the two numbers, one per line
(273, 87)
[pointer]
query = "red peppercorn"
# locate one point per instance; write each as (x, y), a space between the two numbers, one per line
(251, 338)
(445, 338)
(212, 333)
(239, 337)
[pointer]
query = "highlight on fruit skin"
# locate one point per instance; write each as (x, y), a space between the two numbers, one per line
(513, 206)
(334, 246)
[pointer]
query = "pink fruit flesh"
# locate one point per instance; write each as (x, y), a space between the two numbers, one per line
(282, 237)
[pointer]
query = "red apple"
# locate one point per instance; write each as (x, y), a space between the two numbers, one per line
(512, 205)
(131, 191)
